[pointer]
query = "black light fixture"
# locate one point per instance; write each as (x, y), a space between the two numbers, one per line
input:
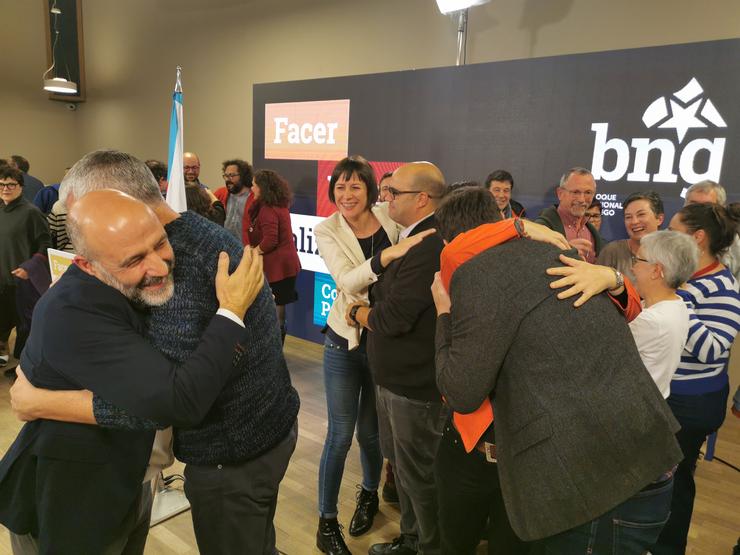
(57, 84)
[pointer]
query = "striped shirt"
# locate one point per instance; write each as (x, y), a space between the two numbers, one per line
(714, 320)
(57, 220)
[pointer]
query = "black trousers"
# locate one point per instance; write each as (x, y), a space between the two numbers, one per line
(233, 506)
(469, 499)
(699, 416)
(8, 312)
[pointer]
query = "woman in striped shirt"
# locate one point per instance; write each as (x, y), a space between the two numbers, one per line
(700, 387)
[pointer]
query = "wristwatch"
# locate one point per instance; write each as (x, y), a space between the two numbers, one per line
(619, 277)
(519, 226)
(353, 313)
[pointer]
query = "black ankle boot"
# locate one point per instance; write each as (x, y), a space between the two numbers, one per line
(329, 537)
(367, 508)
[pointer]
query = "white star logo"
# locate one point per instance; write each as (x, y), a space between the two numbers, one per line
(682, 115)
(683, 118)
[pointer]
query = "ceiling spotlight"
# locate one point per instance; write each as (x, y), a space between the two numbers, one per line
(449, 6)
(60, 85)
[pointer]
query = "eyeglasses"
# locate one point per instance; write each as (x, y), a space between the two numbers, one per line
(578, 193)
(393, 192)
(594, 216)
(190, 168)
(9, 186)
(638, 259)
(229, 175)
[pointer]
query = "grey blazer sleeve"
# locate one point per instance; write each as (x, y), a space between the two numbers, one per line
(472, 342)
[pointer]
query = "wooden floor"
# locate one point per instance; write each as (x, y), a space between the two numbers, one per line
(715, 528)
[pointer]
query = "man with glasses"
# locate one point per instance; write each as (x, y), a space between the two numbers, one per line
(236, 197)
(593, 214)
(191, 169)
(23, 235)
(401, 352)
(575, 194)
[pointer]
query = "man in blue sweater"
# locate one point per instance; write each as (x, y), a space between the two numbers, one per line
(237, 456)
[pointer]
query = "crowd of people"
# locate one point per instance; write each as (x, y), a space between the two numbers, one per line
(528, 382)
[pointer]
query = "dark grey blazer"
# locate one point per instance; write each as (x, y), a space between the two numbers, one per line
(580, 426)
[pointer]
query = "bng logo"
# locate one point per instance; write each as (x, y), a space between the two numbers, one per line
(694, 161)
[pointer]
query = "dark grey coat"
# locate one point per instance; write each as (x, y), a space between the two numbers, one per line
(580, 426)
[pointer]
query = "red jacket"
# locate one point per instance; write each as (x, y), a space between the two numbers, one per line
(223, 195)
(271, 230)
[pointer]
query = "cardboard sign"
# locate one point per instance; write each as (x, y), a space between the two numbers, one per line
(59, 261)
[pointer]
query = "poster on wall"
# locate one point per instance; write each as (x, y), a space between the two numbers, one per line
(659, 118)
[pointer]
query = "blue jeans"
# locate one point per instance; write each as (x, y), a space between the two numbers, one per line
(628, 529)
(350, 402)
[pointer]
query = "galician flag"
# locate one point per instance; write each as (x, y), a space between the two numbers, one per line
(175, 179)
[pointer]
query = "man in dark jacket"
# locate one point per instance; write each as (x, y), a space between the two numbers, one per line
(583, 438)
(500, 183)
(575, 194)
(72, 488)
(401, 352)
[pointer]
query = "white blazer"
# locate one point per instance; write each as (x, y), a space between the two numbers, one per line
(343, 255)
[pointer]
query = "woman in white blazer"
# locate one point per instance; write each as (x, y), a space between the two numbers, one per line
(356, 243)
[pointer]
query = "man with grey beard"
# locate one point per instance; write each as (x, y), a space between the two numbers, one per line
(74, 488)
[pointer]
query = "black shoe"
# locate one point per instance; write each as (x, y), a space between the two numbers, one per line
(402, 545)
(367, 508)
(330, 539)
(390, 493)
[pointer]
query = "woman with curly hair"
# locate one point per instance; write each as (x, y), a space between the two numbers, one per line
(271, 233)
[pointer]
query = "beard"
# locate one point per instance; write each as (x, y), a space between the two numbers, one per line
(234, 188)
(138, 294)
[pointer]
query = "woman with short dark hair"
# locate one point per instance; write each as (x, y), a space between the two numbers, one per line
(643, 214)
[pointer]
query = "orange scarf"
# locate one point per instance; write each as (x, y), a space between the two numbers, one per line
(464, 247)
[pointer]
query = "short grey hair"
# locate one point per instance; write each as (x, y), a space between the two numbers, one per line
(77, 238)
(707, 186)
(578, 170)
(677, 252)
(111, 169)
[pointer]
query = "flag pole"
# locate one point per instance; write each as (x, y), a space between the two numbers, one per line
(175, 178)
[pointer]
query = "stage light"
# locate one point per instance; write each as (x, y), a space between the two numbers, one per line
(449, 6)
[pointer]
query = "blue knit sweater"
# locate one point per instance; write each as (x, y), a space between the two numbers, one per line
(256, 409)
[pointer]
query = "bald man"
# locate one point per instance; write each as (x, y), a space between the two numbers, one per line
(74, 488)
(401, 352)
(191, 169)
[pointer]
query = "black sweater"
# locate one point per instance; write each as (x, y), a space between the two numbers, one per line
(403, 321)
(23, 233)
